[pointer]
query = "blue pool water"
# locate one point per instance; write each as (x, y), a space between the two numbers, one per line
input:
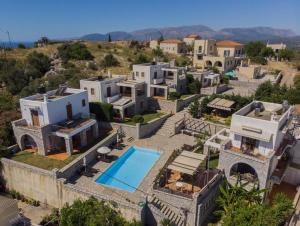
(130, 168)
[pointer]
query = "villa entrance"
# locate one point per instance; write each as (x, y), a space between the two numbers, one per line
(28, 143)
(244, 175)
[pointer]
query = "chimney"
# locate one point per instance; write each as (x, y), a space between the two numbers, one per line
(45, 98)
(109, 73)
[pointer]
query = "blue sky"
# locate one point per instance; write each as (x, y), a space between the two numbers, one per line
(28, 20)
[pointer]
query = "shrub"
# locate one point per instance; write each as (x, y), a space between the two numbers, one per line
(174, 95)
(109, 61)
(74, 51)
(103, 111)
(138, 119)
(298, 67)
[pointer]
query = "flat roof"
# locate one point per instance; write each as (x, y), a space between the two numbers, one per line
(222, 104)
(54, 94)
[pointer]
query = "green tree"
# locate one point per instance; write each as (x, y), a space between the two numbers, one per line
(286, 54)
(254, 49)
(194, 108)
(109, 61)
(92, 213)
(21, 46)
(158, 52)
(37, 64)
(141, 58)
(109, 38)
(267, 52)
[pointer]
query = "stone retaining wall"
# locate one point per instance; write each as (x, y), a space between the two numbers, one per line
(151, 127)
(182, 103)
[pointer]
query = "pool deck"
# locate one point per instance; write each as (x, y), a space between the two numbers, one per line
(157, 142)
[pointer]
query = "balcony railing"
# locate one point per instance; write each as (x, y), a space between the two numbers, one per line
(157, 81)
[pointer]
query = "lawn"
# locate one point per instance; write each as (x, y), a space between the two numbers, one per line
(147, 117)
(49, 163)
(185, 96)
(213, 161)
(42, 161)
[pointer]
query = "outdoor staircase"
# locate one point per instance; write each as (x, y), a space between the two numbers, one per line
(169, 214)
(168, 127)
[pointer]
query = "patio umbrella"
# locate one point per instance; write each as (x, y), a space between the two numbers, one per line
(103, 150)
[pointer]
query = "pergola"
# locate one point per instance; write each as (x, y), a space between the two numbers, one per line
(187, 163)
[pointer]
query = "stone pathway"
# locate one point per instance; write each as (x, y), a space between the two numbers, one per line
(168, 127)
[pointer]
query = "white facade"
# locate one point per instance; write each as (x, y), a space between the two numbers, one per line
(52, 111)
(102, 90)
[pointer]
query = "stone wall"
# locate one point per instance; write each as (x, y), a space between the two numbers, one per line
(292, 176)
(151, 127)
(171, 106)
(214, 89)
(46, 187)
(163, 105)
(182, 103)
(228, 158)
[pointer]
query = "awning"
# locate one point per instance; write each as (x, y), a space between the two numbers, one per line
(252, 132)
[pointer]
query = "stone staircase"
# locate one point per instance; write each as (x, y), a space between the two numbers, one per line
(168, 127)
(169, 214)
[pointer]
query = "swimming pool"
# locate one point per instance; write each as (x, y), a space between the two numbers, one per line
(130, 168)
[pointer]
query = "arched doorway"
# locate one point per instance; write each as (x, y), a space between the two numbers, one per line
(208, 64)
(218, 64)
(245, 175)
(28, 143)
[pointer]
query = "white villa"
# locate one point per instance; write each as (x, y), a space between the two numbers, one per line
(161, 78)
(55, 121)
(254, 150)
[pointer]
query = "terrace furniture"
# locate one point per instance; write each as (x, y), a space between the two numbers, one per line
(187, 147)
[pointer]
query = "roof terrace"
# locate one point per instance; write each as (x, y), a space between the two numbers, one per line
(264, 110)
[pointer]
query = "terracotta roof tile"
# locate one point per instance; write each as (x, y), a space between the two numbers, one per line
(228, 43)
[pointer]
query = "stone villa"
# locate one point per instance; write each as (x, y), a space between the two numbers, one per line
(254, 151)
(224, 55)
(55, 121)
(174, 46)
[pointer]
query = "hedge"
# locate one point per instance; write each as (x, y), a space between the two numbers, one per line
(103, 111)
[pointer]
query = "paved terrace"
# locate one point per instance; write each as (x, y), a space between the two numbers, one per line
(157, 142)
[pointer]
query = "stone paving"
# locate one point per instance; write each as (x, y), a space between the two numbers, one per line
(157, 142)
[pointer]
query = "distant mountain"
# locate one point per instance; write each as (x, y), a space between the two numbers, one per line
(239, 34)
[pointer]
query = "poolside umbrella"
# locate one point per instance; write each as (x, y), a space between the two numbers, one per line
(103, 150)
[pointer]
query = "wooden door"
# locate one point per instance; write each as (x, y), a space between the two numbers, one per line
(35, 118)
(76, 141)
(69, 111)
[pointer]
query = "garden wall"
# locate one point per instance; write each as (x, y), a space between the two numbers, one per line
(171, 106)
(151, 127)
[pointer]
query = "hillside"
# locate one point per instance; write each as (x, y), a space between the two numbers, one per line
(240, 34)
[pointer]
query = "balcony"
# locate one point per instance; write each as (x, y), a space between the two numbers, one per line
(157, 81)
(112, 98)
(249, 152)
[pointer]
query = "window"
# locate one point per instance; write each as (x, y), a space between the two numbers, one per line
(142, 74)
(200, 57)
(226, 53)
(92, 91)
(200, 49)
(83, 102)
(137, 74)
(210, 48)
(155, 75)
(142, 105)
(85, 88)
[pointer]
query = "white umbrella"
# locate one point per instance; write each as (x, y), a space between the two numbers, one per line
(103, 150)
